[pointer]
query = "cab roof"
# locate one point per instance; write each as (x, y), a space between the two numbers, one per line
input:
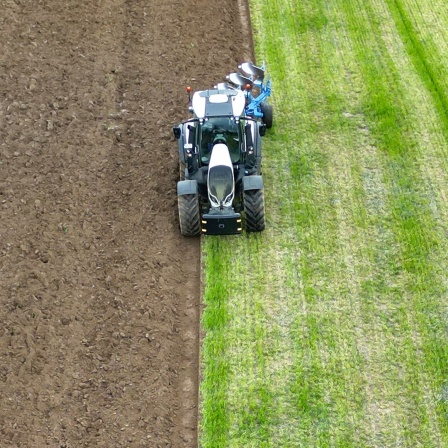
(219, 102)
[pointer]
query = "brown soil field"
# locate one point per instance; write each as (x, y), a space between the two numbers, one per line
(99, 293)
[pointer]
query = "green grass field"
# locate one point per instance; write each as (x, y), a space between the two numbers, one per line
(330, 328)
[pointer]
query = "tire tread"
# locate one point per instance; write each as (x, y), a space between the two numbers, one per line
(189, 215)
(254, 210)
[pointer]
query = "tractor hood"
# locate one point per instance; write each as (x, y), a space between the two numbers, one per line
(220, 182)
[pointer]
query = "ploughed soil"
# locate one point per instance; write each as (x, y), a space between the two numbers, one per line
(99, 292)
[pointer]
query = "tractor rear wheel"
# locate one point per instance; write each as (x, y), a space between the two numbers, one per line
(254, 210)
(189, 215)
(268, 115)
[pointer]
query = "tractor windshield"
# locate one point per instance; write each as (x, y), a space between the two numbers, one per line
(226, 129)
(221, 185)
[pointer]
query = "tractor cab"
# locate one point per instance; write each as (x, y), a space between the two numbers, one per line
(218, 112)
(224, 130)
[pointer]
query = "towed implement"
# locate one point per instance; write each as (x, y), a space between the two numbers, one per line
(220, 191)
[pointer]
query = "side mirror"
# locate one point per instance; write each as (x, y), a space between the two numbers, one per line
(262, 130)
(176, 132)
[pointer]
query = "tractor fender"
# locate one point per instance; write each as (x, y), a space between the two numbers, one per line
(183, 141)
(181, 144)
(187, 187)
(252, 183)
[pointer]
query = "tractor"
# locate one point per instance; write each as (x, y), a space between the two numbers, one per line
(220, 191)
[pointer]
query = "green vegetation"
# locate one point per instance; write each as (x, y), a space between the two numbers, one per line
(329, 329)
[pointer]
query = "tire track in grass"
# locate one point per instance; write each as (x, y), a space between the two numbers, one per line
(250, 397)
(214, 421)
(241, 336)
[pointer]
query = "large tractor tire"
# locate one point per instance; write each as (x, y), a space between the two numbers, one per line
(254, 210)
(268, 115)
(189, 215)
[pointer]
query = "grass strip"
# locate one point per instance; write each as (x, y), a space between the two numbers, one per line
(214, 374)
(424, 55)
(334, 317)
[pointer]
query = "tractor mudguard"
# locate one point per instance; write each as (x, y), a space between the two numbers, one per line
(252, 183)
(181, 149)
(181, 140)
(185, 141)
(187, 187)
